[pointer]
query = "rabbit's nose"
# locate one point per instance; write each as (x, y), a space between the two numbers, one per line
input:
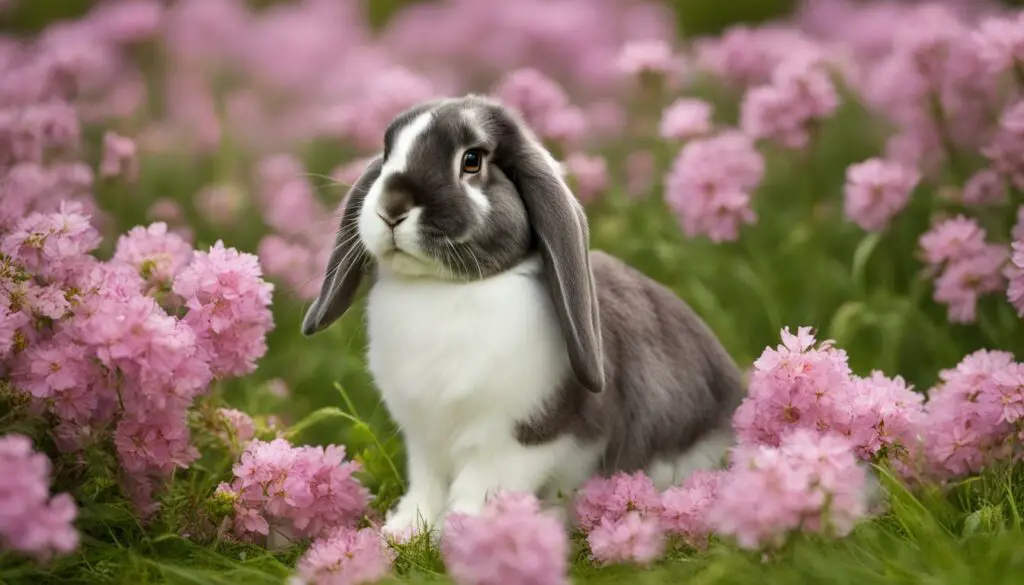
(394, 207)
(392, 221)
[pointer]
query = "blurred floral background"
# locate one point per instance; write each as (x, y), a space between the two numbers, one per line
(852, 166)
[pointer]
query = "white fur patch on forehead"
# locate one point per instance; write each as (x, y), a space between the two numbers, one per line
(475, 120)
(398, 158)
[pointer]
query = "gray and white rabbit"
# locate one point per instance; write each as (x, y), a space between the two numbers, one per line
(509, 354)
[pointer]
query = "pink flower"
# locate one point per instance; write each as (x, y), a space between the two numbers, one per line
(612, 497)
(686, 118)
(965, 425)
(347, 174)
(49, 301)
(50, 368)
(630, 539)
(648, 57)
(710, 184)
(293, 263)
(510, 543)
(884, 413)
(228, 304)
(1009, 386)
(240, 425)
(952, 239)
(967, 279)
(127, 22)
(289, 203)
(278, 388)
(1014, 274)
(810, 482)
(999, 42)
(10, 323)
(157, 254)
(746, 55)
(877, 190)
(799, 385)
(384, 95)
(30, 521)
(221, 204)
(346, 557)
(120, 157)
(166, 210)
(1018, 228)
(533, 94)
(1006, 148)
(986, 187)
(800, 94)
(590, 174)
(51, 245)
(565, 127)
(640, 175)
(309, 490)
(685, 508)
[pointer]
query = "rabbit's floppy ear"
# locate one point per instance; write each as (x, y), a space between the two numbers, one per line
(348, 259)
(560, 225)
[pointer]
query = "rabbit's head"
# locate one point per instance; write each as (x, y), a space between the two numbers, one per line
(464, 190)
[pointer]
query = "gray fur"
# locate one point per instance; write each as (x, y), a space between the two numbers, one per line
(348, 259)
(648, 374)
(668, 382)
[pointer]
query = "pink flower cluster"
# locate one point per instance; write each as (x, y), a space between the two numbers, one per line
(544, 105)
(621, 515)
(654, 58)
(933, 80)
(1014, 273)
(627, 520)
(1006, 148)
(967, 267)
(800, 95)
(711, 182)
(511, 542)
(228, 308)
(810, 482)
(238, 426)
(802, 384)
(877, 190)
(345, 557)
(32, 522)
(974, 414)
(686, 118)
(296, 252)
(301, 492)
(106, 350)
(745, 56)
(804, 432)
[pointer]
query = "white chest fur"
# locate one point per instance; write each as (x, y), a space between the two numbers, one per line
(457, 360)
(458, 365)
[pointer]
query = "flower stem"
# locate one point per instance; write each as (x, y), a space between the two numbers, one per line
(948, 144)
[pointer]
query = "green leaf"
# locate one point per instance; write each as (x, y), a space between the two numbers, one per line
(861, 256)
(845, 321)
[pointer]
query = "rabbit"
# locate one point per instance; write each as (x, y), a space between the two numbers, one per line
(510, 355)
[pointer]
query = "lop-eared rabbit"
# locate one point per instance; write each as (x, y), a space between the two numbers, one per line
(511, 356)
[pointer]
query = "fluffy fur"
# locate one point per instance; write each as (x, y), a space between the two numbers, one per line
(509, 354)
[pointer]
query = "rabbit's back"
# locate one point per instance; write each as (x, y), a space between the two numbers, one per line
(670, 386)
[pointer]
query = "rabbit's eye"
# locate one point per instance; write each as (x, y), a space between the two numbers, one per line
(472, 161)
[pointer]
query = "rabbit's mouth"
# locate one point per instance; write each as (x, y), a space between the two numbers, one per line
(409, 263)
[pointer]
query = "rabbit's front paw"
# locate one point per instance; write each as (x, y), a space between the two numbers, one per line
(412, 516)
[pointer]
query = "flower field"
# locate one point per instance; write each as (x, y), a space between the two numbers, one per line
(838, 192)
